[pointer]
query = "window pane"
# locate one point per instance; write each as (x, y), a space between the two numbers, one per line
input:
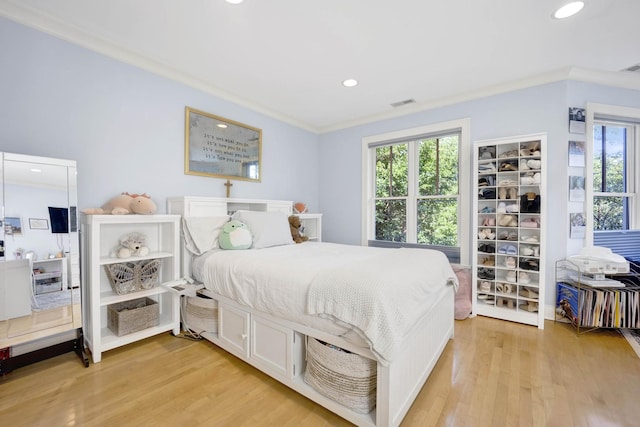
(614, 138)
(610, 213)
(438, 221)
(438, 166)
(391, 223)
(391, 171)
(597, 158)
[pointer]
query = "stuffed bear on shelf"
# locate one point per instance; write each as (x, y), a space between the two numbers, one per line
(294, 224)
(132, 244)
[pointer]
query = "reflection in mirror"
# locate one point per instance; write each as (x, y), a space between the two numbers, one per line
(39, 292)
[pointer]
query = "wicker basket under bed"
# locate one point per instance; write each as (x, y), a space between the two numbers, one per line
(347, 378)
(127, 277)
(201, 314)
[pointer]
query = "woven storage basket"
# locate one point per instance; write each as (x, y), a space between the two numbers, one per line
(201, 314)
(132, 316)
(127, 277)
(347, 378)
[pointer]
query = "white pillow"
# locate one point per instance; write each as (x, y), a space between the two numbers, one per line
(201, 234)
(268, 228)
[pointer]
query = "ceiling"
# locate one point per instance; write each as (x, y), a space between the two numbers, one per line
(287, 58)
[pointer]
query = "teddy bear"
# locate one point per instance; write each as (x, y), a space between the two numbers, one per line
(132, 244)
(294, 225)
(124, 204)
(235, 235)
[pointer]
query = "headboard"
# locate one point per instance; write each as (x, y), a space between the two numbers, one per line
(193, 206)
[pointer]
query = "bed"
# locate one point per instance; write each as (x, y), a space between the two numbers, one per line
(277, 301)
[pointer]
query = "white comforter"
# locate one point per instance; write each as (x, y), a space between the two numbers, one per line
(379, 293)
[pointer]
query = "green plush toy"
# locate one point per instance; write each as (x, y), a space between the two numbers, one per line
(235, 235)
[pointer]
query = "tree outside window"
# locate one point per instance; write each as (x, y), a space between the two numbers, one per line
(422, 210)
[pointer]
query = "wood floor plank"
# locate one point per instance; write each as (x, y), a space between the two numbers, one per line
(493, 373)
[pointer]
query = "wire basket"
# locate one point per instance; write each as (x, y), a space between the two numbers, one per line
(127, 277)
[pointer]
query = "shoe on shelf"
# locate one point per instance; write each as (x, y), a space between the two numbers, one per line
(499, 287)
(513, 236)
(510, 262)
(487, 209)
(502, 207)
(523, 165)
(505, 220)
(523, 278)
(504, 235)
(530, 223)
(526, 179)
(513, 193)
(534, 164)
(485, 287)
(528, 293)
(512, 250)
(526, 250)
(530, 238)
(489, 221)
(502, 193)
(511, 276)
(536, 178)
(489, 261)
(512, 208)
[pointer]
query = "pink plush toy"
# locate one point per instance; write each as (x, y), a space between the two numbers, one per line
(125, 204)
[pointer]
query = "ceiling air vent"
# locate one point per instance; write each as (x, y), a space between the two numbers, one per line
(401, 103)
(633, 68)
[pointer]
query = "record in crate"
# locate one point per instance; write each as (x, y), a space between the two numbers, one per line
(127, 277)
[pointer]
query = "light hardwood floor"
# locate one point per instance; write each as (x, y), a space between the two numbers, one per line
(493, 373)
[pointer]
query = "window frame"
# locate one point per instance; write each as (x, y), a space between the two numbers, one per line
(460, 126)
(598, 113)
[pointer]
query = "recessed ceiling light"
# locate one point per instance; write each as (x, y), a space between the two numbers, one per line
(350, 83)
(234, 1)
(222, 125)
(568, 10)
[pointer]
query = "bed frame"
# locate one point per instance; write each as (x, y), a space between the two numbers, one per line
(277, 346)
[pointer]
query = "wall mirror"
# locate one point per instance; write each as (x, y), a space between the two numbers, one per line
(39, 249)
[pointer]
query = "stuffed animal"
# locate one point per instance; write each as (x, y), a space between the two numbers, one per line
(131, 245)
(235, 235)
(125, 204)
(294, 225)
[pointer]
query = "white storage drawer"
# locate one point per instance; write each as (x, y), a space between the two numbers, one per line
(233, 329)
(271, 346)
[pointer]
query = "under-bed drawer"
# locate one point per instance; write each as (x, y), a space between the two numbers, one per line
(271, 346)
(233, 329)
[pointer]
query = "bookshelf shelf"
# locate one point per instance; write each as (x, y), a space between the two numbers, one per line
(589, 307)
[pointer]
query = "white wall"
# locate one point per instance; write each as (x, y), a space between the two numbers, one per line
(125, 126)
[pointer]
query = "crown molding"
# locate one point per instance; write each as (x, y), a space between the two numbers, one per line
(625, 80)
(64, 31)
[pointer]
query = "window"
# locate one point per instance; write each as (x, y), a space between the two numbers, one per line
(613, 156)
(413, 193)
(613, 176)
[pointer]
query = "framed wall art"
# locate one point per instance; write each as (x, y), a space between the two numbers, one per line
(12, 225)
(221, 148)
(38, 224)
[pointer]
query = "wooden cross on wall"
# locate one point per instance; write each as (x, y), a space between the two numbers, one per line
(228, 184)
